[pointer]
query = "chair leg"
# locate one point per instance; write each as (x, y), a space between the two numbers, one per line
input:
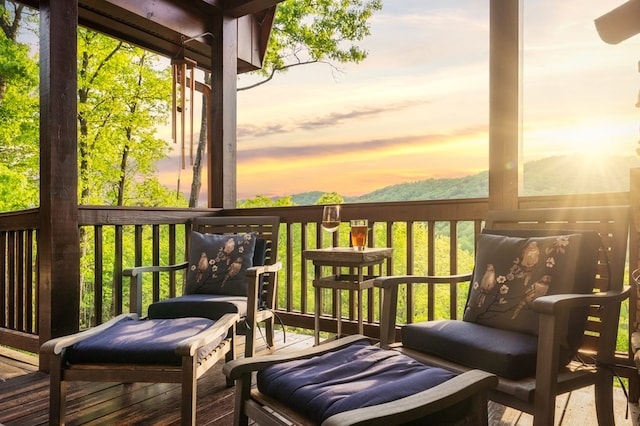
(189, 391)
(480, 409)
(57, 392)
(544, 414)
(269, 328)
(604, 397)
(231, 354)
(242, 393)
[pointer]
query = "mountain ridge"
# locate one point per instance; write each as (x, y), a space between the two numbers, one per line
(567, 174)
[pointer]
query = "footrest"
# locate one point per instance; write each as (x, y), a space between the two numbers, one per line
(357, 376)
(143, 342)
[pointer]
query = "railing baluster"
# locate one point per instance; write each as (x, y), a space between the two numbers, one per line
(117, 270)
(20, 280)
(11, 291)
(156, 260)
(453, 266)
(98, 240)
(172, 259)
(29, 266)
(304, 271)
(4, 281)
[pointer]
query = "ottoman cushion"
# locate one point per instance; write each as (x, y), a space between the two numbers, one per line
(359, 375)
(147, 342)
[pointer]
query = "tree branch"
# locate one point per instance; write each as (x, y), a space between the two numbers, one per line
(282, 68)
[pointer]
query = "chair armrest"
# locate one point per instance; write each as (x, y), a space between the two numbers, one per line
(470, 384)
(189, 346)
(389, 289)
(264, 269)
(561, 302)
(237, 368)
(135, 282)
(55, 346)
(554, 310)
(138, 270)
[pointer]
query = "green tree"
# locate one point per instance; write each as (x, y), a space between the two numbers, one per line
(19, 113)
(330, 198)
(262, 201)
(123, 94)
(322, 31)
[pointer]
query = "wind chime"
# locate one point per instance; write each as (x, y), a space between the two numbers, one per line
(183, 91)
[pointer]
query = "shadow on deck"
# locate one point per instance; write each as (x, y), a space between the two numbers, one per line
(24, 398)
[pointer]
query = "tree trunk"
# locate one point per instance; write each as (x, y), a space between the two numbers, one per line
(196, 183)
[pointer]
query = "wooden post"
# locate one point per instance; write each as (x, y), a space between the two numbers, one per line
(222, 150)
(634, 263)
(504, 161)
(58, 237)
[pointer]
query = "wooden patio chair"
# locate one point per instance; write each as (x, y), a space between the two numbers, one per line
(577, 287)
(348, 381)
(223, 279)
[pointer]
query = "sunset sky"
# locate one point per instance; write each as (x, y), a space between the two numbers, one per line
(417, 107)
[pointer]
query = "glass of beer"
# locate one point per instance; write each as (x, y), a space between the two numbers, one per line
(359, 229)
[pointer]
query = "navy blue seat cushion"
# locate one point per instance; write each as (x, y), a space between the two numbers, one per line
(503, 352)
(218, 263)
(359, 375)
(211, 306)
(145, 342)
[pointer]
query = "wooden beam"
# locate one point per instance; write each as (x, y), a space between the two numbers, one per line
(237, 8)
(58, 236)
(222, 119)
(504, 108)
(161, 25)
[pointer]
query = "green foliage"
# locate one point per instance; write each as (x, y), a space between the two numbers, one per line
(330, 198)
(19, 114)
(262, 201)
(123, 95)
(17, 192)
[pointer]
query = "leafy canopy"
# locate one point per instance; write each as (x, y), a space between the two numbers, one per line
(316, 31)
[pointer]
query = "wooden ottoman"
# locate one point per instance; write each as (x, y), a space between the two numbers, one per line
(349, 381)
(129, 349)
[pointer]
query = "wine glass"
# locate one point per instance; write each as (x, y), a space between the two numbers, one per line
(331, 220)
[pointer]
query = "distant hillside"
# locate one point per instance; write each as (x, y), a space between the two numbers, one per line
(552, 175)
(306, 198)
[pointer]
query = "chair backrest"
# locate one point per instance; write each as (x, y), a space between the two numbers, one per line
(610, 222)
(265, 227)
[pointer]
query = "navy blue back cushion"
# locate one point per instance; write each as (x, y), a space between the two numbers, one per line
(516, 266)
(359, 375)
(146, 342)
(218, 263)
(205, 305)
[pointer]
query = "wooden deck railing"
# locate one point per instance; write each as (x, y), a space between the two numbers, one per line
(427, 237)
(18, 275)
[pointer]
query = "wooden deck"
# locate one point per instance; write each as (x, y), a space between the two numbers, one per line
(24, 394)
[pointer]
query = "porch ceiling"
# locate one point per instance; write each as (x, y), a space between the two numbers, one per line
(162, 25)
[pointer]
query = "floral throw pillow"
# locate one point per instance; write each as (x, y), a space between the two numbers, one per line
(218, 263)
(511, 272)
